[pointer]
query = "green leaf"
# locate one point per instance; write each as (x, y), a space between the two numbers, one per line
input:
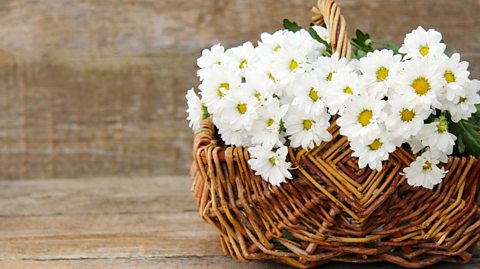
(362, 44)
(291, 26)
(314, 35)
(205, 113)
(362, 41)
(282, 126)
(468, 131)
(361, 36)
(388, 44)
(460, 145)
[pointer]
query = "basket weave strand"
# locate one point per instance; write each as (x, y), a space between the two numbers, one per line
(332, 210)
(327, 13)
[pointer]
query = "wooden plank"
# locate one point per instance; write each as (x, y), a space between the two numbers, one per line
(96, 196)
(196, 263)
(98, 236)
(102, 218)
(67, 118)
(151, 263)
(29, 28)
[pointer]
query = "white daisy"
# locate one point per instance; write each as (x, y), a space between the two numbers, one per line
(258, 78)
(269, 44)
(240, 110)
(415, 144)
(437, 155)
(465, 106)
(341, 90)
(216, 86)
(229, 136)
(288, 63)
(327, 67)
(309, 94)
(405, 118)
(194, 110)
(455, 76)
(266, 129)
(305, 130)
(378, 68)
(420, 80)
(424, 171)
(422, 44)
(269, 164)
(372, 151)
(362, 117)
(436, 136)
(304, 41)
(241, 57)
(210, 58)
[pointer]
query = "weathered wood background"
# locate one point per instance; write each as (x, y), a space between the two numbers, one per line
(96, 88)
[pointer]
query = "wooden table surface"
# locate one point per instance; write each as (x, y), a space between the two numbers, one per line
(114, 223)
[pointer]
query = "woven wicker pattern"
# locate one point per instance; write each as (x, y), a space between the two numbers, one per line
(332, 210)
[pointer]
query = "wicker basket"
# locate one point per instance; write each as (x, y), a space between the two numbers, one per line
(332, 210)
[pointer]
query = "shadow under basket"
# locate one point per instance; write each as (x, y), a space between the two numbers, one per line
(331, 210)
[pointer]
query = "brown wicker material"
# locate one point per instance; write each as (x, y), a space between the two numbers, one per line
(332, 210)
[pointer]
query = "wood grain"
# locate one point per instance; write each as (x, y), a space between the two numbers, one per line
(96, 88)
(41, 198)
(113, 223)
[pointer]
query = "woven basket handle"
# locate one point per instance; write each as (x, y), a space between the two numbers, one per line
(327, 13)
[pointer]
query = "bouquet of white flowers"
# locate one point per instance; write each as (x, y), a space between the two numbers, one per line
(287, 90)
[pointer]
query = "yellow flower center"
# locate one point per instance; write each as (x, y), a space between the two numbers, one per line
(329, 77)
(258, 95)
(270, 122)
(427, 166)
(270, 76)
(218, 62)
(376, 144)
(242, 108)
(421, 86)
(307, 124)
(382, 73)
(293, 65)
(313, 94)
(424, 50)
(243, 64)
(365, 117)
(224, 85)
(449, 76)
(272, 161)
(441, 128)
(462, 100)
(407, 114)
(276, 48)
(348, 90)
